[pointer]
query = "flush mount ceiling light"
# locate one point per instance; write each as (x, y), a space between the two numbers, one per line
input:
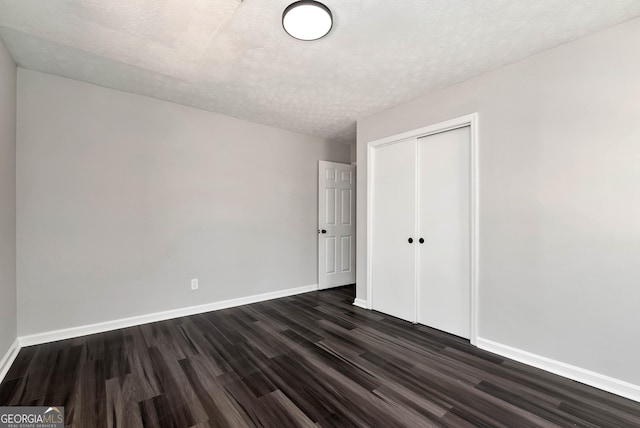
(307, 20)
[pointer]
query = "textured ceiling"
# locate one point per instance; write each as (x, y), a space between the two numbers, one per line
(234, 58)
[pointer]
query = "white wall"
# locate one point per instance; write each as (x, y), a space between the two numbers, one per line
(7, 200)
(559, 198)
(122, 199)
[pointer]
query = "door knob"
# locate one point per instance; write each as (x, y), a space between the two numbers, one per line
(421, 240)
(323, 231)
(410, 240)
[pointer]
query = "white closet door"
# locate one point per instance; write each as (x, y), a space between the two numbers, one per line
(394, 208)
(444, 259)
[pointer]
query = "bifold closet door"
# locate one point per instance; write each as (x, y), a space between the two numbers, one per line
(393, 222)
(444, 220)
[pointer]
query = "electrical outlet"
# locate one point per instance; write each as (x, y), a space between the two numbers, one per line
(194, 284)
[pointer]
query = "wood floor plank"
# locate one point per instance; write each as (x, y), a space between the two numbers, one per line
(307, 360)
(221, 408)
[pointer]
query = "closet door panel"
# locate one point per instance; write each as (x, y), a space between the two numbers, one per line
(444, 219)
(393, 222)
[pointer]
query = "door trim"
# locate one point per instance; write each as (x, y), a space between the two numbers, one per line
(470, 120)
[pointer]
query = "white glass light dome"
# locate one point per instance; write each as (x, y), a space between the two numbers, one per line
(307, 20)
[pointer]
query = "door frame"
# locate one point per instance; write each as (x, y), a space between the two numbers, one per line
(470, 120)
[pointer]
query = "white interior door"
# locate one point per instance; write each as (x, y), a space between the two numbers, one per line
(394, 222)
(336, 224)
(444, 258)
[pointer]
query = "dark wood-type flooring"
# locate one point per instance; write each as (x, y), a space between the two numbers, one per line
(307, 360)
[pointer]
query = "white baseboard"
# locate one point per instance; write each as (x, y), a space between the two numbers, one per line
(597, 380)
(361, 303)
(9, 358)
(68, 333)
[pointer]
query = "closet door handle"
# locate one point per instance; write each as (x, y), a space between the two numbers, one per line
(421, 240)
(410, 240)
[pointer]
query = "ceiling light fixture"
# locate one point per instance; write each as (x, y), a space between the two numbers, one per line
(307, 20)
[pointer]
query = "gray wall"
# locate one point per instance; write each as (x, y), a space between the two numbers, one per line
(7, 200)
(559, 198)
(122, 199)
